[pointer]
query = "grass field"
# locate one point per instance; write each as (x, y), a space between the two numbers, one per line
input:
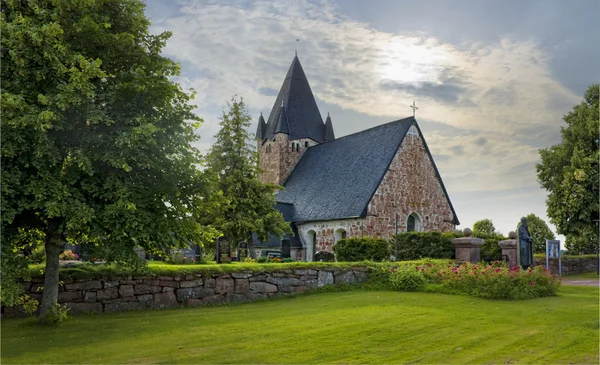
(346, 327)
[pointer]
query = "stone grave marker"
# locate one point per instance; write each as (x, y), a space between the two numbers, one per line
(324, 256)
(223, 249)
(242, 251)
(286, 247)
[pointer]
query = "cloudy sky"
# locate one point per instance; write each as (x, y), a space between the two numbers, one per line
(492, 79)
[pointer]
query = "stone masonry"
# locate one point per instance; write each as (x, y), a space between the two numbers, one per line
(409, 186)
(148, 292)
(277, 164)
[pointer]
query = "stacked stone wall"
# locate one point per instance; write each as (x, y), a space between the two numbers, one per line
(570, 265)
(147, 292)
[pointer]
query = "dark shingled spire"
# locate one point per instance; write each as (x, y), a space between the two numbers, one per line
(329, 135)
(282, 125)
(301, 111)
(262, 126)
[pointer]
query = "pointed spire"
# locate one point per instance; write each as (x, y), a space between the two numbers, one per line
(302, 116)
(282, 122)
(261, 128)
(329, 135)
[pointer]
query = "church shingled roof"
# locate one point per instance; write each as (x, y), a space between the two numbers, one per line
(329, 135)
(262, 126)
(337, 179)
(301, 112)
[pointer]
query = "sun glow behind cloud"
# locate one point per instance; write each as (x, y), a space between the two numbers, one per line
(485, 109)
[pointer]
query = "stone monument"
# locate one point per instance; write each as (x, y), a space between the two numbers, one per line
(509, 249)
(525, 245)
(467, 248)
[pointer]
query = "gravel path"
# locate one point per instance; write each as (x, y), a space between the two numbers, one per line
(581, 282)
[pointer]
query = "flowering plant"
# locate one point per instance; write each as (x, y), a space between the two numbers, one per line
(68, 255)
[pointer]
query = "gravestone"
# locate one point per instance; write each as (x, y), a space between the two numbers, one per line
(324, 256)
(76, 248)
(273, 254)
(223, 250)
(286, 247)
(197, 252)
(183, 254)
(140, 252)
(242, 251)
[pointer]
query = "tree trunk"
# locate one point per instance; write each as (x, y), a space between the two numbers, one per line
(54, 246)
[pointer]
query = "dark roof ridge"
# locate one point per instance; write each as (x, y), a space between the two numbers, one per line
(364, 130)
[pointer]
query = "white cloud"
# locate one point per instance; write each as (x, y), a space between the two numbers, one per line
(502, 93)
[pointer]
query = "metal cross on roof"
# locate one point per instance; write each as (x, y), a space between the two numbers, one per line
(414, 108)
(297, 40)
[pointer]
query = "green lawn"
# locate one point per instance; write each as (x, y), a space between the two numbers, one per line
(346, 327)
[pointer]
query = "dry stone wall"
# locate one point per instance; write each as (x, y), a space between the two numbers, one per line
(570, 265)
(147, 292)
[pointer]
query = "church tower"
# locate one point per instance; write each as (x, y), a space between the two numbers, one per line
(294, 125)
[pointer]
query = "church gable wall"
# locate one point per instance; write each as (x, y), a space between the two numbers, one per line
(410, 185)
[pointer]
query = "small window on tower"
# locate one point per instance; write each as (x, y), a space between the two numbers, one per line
(306, 144)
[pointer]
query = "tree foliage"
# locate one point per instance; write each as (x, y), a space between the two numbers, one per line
(483, 228)
(569, 171)
(243, 204)
(96, 138)
(539, 231)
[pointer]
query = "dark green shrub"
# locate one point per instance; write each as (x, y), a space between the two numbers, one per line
(490, 251)
(362, 248)
(407, 280)
(262, 260)
(417, 245)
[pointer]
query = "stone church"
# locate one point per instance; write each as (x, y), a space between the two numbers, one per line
(372, 183)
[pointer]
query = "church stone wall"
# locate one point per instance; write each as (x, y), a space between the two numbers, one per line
(277, 165)
(409, 186)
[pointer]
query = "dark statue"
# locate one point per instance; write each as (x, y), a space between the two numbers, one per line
(525, 245)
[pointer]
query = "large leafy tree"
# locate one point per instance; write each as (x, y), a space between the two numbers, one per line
(96, 138)
(244, 204)
(569, 172)
(539, 231)
(483, 228)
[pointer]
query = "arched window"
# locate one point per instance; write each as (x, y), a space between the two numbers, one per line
(413, 223)
(340, 234)
(312, 245)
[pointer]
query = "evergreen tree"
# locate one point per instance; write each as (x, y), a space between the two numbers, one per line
(245, 205)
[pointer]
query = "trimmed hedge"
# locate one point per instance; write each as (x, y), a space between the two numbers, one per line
(417, 245)
(362, 248)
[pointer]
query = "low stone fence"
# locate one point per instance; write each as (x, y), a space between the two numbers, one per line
(570, 265)
(147, 292)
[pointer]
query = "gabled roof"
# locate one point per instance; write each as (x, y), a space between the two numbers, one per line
(337, 179)
(301, 112)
